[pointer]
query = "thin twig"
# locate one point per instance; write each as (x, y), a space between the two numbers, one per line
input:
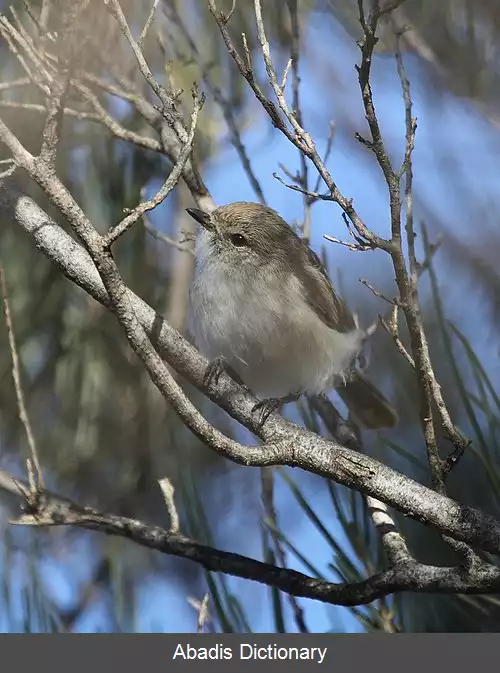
(168, 105)
(16, 376)
(8, 171)
(412, 312)
(147, 25)
(225, 105)
(36, 107)
(357, 247)
(115, 127)
(273, 80)
(203, 614)
(328, 149)
(168, 492)
(51, 133)
(312, 196)
(170, 182)
(391, 326)
(376, 293)
(15, 84)
(38, 71)
(297, 109)
(160, 236)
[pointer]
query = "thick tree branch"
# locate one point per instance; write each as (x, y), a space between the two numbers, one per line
(53, 510)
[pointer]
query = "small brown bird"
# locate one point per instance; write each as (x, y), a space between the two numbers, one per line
(262, 304)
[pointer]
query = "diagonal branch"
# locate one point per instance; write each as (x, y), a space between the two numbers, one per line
(54, 510)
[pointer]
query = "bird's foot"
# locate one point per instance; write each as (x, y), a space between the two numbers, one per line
(268, 406)
(216, 368)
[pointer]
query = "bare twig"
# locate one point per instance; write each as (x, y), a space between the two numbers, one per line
(426, 412)
(14, 84)
(328, 149)
(46, 76)
(147, 25)
(312, 196)
(55, 114)
(366, 45)
(16, 376)
(224, 104)
(36, 107)
(375, 292)
(168, 492)
(170, 182)
(115, 127)
(62, 67)
(429, 391)
(100, 115)
(302, 136)
(201, 607)
(10, 170)
(391, 326)
(433, 392)
(428, 388)
(358, 247)
(160, 236)
(295, 25)
(168, 104)
(286, 72)
(21, 45)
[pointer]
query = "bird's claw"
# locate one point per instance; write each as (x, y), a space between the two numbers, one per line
(268, 406)
(216, 368)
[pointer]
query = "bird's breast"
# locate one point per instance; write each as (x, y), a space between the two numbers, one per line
(262, 325)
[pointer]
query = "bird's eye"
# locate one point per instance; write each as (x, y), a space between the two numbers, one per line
(238, 240)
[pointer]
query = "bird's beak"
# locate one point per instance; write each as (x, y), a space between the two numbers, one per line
(202, 218)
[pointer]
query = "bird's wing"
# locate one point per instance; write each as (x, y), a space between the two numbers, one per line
(320, 293)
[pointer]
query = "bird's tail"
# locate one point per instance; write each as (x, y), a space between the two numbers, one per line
(367, 404)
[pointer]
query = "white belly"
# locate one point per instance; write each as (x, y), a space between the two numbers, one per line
(277, 347)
